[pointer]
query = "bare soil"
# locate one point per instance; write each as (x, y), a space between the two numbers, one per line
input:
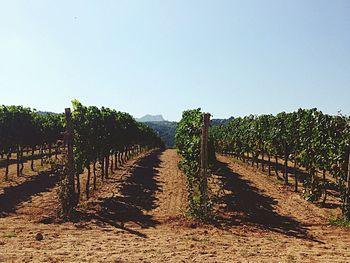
(137, 216)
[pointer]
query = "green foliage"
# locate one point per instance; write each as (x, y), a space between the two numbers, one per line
(9, 234)
(315, 140)
(188, 142)
(99, 133)
(312, 189)
(166, 131)
(67, 202)
(22, 127)
(339, 221)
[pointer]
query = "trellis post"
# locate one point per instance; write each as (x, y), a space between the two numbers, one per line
(204, 163)
(70, 157)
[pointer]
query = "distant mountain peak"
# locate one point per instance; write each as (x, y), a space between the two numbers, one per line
(151, 118)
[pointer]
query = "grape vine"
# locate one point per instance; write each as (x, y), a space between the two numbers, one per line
(188, 143)
(309, 138)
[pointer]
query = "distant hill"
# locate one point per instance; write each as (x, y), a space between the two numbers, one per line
(214, 122)
(151, 118)
(46, 112)
(166, 130)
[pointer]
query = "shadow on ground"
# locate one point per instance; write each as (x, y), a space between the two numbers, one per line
(277, 169)
(15, 195)
(247, 204)
(28, 158)
(135, 197)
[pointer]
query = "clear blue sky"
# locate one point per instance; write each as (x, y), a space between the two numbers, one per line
(228, 57)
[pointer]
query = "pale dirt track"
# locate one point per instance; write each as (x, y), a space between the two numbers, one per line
(136, 217)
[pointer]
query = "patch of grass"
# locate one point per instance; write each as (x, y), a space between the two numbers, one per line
(198, 238)
(195, 238)
(270, 239)
(9, 234)
(279, 181)
(339, 221)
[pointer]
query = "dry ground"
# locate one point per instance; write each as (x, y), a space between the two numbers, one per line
(136, 217)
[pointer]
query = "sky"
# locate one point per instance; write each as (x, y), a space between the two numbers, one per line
(231, 58)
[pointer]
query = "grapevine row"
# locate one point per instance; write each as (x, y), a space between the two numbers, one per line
(25, 129)
(188, 142)
(101, 138)
(107, 137)
(311, 139)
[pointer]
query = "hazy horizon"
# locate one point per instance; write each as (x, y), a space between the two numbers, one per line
(230, 58)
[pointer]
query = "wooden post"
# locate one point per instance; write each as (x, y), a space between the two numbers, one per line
(285, 164)
(295, 176)
(347, 197)
(70, 157)
(348, 175)
(204, 163)
(18, 160)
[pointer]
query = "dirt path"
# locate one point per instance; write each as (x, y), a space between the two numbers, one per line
(261, 204)
(135, 218)
(171, 199)
(127, 212)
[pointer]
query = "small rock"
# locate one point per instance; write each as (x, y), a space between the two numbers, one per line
(39, 237)
(193, 225)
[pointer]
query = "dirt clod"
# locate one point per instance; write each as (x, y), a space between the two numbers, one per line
(39, 237)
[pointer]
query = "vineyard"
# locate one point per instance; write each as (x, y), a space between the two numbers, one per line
(88, 136)
(313, 141)
(94, 185)
(23, 130)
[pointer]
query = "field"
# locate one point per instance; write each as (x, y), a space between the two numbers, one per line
(175, 131)
(137, 216)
